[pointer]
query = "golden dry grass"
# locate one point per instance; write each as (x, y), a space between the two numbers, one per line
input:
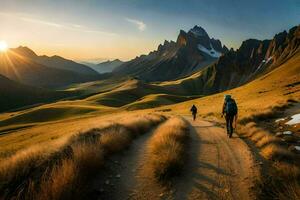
(283, 182)
(115, 138)
(15, 170)
(58, 184)
(57, 170)
(167, 148)
(139, 125)
(270, 146)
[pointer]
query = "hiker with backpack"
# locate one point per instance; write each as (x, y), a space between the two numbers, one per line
(230, 110)
(194, 112)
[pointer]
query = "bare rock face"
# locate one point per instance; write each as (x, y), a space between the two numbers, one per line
(254, 58)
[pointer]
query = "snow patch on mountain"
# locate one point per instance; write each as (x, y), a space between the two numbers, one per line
(263, 62)
(198, 33)
(211, 52)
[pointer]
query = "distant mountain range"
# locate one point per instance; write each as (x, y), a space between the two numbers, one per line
(107, 66)
(191, 52)
(24, 66)
(55, 61)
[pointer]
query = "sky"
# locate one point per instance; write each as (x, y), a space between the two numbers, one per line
(124, 29)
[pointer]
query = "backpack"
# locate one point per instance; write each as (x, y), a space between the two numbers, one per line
(231, 107)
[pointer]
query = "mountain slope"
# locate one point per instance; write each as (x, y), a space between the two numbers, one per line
(55, 62)
(24, 70)
(108, 66)
(192, 51)
(13, 94)
(274, 88)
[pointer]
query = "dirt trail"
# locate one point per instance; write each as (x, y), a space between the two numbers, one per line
(217, 168)
(135, 181)
(126, 175)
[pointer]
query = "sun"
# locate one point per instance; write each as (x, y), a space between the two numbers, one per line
(3, 46)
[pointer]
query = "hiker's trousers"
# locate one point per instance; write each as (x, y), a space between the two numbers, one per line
(194, 115)
(229, 122)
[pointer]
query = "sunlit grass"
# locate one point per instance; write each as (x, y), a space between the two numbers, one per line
(60, 169)
(167, 148)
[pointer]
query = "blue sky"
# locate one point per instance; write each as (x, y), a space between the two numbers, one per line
(126, 28)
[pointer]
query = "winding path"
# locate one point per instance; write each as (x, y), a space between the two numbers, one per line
(217, 168)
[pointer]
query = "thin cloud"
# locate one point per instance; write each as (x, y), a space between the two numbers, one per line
(72, 27)
(77, 26)
(100, 32)
(140, 25)
(37, 21)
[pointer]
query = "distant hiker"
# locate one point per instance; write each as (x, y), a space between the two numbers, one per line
(230, 110)
(194, 111)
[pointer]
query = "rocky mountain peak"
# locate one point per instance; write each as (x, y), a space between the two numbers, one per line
(182, 38)
(198, 31)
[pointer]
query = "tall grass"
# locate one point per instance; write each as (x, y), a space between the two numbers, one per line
(60, 183)
(283, 181)
(16, 171)
(270, 113)
(270, 146)
(167, 148)
(63, 169)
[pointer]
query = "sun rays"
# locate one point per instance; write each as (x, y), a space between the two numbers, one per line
(3, 46)
(9, 62)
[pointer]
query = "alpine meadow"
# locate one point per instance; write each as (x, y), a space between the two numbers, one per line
(148, 99)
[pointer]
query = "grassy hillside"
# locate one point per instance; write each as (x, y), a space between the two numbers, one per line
(62, 110)
(198, 83)
(156, 100)
(96, 87)
(130, 91)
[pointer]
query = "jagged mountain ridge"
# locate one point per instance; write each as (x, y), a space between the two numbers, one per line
(253, 59)
(192, 51)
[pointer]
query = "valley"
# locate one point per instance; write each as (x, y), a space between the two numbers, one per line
(101, 123)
